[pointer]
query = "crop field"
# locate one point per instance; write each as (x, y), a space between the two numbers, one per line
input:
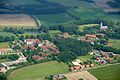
(54, 18)
(17, 21)
(107, 73)
(85, 75)
(39, 71)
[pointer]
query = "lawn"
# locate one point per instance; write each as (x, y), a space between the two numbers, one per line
(115, 43)
(82, 27)
(107, 73)
(4, 45)
(4, 60)
(85, 58)
(38, 71)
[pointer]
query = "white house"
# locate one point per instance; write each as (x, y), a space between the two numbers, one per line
(103, 28)
(3, 69)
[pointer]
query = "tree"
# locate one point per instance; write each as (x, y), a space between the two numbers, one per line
(3, 77)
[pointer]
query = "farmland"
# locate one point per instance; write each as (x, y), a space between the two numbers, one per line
(38, 71)
(50, 19)
(17, 21)
(107, 73)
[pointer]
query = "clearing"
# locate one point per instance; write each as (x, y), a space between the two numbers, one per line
(39, 71)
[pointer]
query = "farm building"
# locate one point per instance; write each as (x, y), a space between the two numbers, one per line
(32, 41)
(5, 51)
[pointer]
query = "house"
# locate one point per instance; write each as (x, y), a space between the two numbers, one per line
(3, 69)
(4, 51)
(91, 36)
(64, 35)
(103, 28)
(32, 41)
(37, 57)
(58, 77)
(101, 35)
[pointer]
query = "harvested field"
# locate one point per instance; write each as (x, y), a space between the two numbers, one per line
(77, 75)
(17, 21)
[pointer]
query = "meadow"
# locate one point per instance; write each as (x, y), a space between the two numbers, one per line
(4, 45)
(115, 43)
(107, 73)
(39, 71)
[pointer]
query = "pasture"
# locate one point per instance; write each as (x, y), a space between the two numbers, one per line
(115, 43)
(17, 21)
(38, 71)
(107, 73)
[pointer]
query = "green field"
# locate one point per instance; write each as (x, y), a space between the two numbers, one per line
(6, 34)
(38, 71)
(82, 27)
(107, 73)
(85, 58)
(115, 43)
(4, 45)
(50, 19)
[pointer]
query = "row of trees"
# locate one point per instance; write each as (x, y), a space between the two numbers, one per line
(6, 38)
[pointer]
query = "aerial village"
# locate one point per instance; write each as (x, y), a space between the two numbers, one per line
(43, 49)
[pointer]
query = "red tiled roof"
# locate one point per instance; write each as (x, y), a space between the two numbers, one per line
(90, 35)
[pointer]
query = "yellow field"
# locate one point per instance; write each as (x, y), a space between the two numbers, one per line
(17, 21)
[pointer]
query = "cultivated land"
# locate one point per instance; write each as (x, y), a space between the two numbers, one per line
(77, 75)
(115, 43)
(38, 71)
(107, 73)
(17, 21)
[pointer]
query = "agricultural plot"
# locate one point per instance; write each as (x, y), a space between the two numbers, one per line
(85, 75)
(54, 18)
(39, 71)
(107, 73)
(17, 21)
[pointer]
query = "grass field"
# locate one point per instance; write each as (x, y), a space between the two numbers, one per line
(115, 43)
(54, 18)
(38, 71)
(4, 45)
(85, 58)
(82, 27)
(107, 73)
(17, 21)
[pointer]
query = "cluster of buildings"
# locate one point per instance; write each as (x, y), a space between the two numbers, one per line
(91, 38)
(79, 65)
(44, 48)
(6, 51)
(104, 57)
